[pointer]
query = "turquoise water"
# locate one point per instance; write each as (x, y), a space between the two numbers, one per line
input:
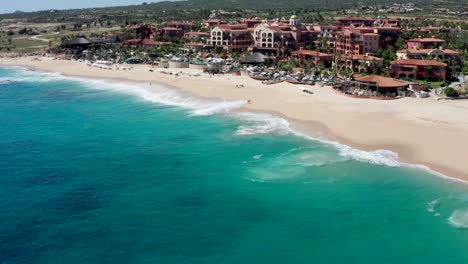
(95, 172)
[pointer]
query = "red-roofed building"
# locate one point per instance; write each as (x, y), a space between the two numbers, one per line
(169, 32)
(231, 37)
(147, 43)
(179, 24)
(435, 30)
(142, 31)
(314, 56)
(357, 63)
(418, 69)
(424, 43)
(355, 21)
(251, 23)
(357, 41)
(373, 87)
(381, 82)
(386, 22)
(195, 46)
(272, 38)
(196, 35)
(440, 54)
(209, 23)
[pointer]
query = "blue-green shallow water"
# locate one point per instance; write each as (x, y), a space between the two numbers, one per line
(91, 175)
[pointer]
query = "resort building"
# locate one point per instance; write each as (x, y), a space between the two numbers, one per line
(171, 32)
(424, 43)
(357, 41)
(386, 22)
(355, 22)
(435, 30)
(233, 37)
(357, 63)
(147, 43)
(210, 23)
(185, 26)
(439, 54)
(418, 69)
(250, 23)
(311, 55)
(197, 35)
(195, 46)
(142, 31)
(373, 87)
(273, 38)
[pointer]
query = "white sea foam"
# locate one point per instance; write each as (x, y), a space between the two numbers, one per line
(162, 95)
(431, 206)
(254, 123)
(459, 219)
(26, 75)
(257, 157)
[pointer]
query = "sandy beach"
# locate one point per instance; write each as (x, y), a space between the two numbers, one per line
(422, 131)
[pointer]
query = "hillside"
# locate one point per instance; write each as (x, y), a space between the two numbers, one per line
(183, 9)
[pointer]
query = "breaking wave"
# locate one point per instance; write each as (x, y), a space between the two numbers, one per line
(252, 123)
(162, 95)
(459, 219)
(432, 207)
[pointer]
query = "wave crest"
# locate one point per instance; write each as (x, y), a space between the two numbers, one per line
(459, 219)
(261, 124)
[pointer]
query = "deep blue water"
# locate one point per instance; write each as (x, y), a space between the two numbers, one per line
(90, 172)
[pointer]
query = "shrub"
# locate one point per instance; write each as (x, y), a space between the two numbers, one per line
(450, 92)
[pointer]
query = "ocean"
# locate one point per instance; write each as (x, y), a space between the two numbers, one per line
(93, 171)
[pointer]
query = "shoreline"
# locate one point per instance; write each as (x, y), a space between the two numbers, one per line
(402, 126)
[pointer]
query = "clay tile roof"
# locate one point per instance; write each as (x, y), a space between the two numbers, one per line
(382, 82)
(449, 51)
(150, 42)
(426, 40)
(419, 62)
(361, 57)
(198, 33)
(310, 52)
(357, 18)
(194, 44)
(414, 51)
(173, 29)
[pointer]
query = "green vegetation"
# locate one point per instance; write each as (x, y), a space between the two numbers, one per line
(450, 92)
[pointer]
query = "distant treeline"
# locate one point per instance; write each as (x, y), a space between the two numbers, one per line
(182, 9)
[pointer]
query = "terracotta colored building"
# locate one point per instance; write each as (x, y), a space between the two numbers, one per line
(357, 63)
(209, 23)
(185, 26)
(142, 31)
(170, 32)
(236, 37)
(440, 54)
(424, 43)
(196, 35)
(357, 41)
(271, 38)
(355, 21)
(314, 56)
(418, 69)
